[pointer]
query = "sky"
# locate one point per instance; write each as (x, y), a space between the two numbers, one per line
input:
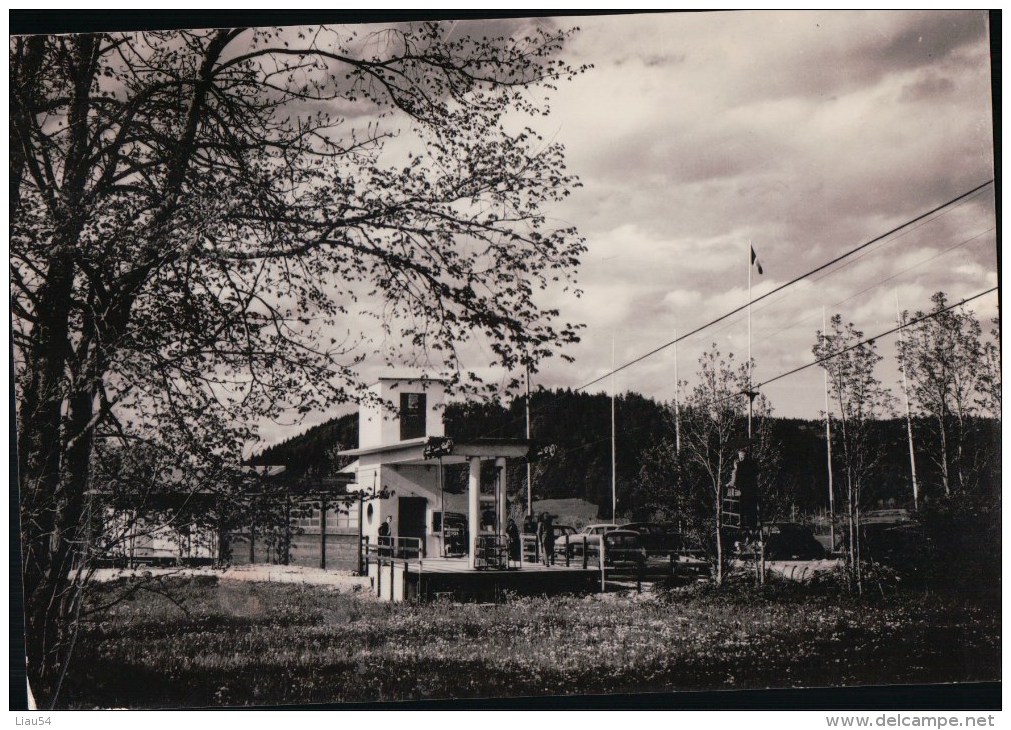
(803, 133)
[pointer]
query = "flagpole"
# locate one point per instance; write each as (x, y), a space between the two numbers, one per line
(614, 470)
(828, 446)
(909, 419)
(751, 251)
(677, 407)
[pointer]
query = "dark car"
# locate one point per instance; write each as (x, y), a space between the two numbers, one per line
(791, 541)
(893, 544)
(657, 539)
(623, 550)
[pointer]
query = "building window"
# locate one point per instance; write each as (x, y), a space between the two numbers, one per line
(412, 415)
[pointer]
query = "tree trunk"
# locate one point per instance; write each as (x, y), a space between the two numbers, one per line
(51, 593)
(856, 538)
(719, 541)
(943, 429)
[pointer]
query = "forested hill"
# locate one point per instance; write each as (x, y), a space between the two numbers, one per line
(315, 450)
(579, 425)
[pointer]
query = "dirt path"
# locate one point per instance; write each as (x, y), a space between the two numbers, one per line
(343, 581)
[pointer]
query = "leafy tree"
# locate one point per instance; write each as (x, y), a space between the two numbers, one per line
(202, 223)
(713, 430)
(657, 495)
(861, 400)
(989, 383)
(945, 363)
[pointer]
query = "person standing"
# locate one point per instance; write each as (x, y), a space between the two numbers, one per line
(548, 539)
(513, 533)
(386, 538)
(745, 480)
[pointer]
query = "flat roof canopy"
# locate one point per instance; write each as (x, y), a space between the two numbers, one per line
(426, 450)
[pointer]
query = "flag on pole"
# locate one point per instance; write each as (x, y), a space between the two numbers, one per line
(755, 262)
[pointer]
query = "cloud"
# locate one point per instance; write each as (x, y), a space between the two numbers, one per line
(806, 133)
(928, 87)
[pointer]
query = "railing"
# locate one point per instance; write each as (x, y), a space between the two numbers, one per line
(409, 548)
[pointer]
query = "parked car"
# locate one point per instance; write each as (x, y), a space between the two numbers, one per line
(623, 550)
(658, 539)
(691, 567)
(599, 529)
(561, 531)
(791, 541)
(589, 535)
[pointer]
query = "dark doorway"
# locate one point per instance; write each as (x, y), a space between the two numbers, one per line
(411, 522)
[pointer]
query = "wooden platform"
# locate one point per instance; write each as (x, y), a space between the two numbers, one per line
(434, 578)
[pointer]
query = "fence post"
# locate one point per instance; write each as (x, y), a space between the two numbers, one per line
(379, 576)
(586, 557)
(523, 551)
(392, 578)
(252, 541)
(403, 595)
(567, 557)
(537, 550)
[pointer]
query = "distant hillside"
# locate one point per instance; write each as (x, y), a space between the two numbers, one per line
(579, 426)
(314, 451)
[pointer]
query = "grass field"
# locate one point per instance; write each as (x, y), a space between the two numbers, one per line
(230, 643)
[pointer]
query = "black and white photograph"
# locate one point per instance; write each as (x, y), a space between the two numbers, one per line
(411, 361)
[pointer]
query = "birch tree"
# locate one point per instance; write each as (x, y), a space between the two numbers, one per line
(713, 430)
(861, 399)
(947, 365)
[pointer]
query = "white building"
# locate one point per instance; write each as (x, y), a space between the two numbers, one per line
(401, 432)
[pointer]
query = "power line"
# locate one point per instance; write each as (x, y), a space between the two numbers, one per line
(956, 200)
(824, 266)
(875, 285)
(743, 394)
(819, 361)
(770, 332)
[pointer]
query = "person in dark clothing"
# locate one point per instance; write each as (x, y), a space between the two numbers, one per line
(386, 538)
(548, 539)
(513, 532)
(540, 534)
(745, 481)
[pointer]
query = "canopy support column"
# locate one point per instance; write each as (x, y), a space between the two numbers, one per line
(474, 508)
(503, 517)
